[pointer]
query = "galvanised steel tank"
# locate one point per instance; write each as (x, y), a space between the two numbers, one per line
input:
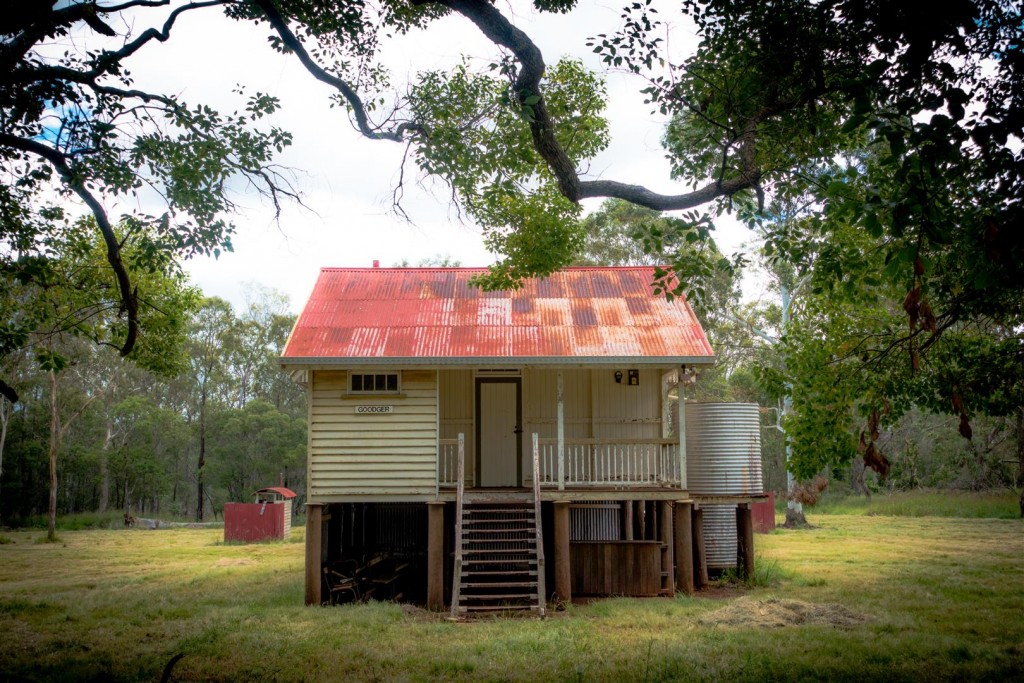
(720, 536)
(723, 449)
(723, 458)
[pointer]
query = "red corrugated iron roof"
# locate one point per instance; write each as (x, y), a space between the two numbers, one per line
(433, 314)
(280, 490)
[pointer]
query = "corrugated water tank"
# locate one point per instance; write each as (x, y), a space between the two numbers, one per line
(723, 449)
(720, 535)
(723, 458)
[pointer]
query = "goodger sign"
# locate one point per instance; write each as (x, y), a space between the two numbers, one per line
(374, 410)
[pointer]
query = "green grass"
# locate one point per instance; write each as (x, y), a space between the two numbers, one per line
(93, 520)
(983, 505)
(940, 598)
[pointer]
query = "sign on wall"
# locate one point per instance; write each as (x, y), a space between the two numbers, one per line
(374, 410)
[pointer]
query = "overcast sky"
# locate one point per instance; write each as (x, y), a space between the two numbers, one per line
(347, 181)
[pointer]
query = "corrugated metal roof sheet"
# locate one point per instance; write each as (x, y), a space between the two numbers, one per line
(433, 314)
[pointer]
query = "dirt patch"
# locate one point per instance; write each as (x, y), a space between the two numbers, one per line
(234, 562)
(775, 613)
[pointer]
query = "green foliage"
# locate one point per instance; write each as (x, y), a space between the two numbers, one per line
(477, 137)
(252, 445)
(74, 126)
(73, 292)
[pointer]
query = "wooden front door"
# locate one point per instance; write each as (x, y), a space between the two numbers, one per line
(499, 434)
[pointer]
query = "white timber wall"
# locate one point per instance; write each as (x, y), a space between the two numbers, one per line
(456, 400)
(596, 407)
(390, 455)
(540, 404)
(622, 411)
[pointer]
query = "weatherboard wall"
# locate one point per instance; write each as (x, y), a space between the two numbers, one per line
(457, 415)
(388, 455)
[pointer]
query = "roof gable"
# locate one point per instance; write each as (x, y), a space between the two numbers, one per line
(433, 314)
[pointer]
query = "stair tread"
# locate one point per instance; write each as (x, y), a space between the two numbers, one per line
(499, 596)
(499, 558)
(500, 584)
(492, 520)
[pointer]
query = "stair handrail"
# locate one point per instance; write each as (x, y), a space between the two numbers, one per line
(460, 487)
(542, 599)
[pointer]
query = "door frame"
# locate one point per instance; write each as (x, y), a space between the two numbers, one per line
(518, 382)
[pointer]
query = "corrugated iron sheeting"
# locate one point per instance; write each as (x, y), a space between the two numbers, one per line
(434, 313)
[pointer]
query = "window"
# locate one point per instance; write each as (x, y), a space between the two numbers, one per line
(376, 383)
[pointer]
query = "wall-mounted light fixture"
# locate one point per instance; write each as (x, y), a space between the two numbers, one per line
(687, 376)
(618, 376)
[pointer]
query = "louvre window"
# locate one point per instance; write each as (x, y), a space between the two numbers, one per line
(376, 383)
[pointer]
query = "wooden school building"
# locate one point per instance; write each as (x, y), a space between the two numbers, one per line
(499, 450)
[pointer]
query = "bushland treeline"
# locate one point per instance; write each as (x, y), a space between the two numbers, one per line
(228, 423)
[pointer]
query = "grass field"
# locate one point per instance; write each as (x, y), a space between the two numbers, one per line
(859, 597)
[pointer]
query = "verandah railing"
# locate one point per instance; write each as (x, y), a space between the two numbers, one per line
(590, 462)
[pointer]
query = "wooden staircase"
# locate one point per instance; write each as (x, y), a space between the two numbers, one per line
(500, 565)
(499, 551)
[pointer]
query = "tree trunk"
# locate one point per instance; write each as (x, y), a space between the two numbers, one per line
(51, 511)
(202, 458)
(4, 416)
(857, 482)
(105, 470)
(795, 515)
(1020, 457)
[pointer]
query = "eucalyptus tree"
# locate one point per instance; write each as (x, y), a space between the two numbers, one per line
(212, 326)
(148, 441)
(71, 300)
(255, 445)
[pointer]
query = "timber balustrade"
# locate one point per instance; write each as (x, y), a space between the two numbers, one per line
(590, 462)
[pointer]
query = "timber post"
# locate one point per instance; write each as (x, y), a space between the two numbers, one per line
(745, 541)
(684, 546)
(667, 536)
(700, 558)
(563, 571)
(314, 544)
(435, 556)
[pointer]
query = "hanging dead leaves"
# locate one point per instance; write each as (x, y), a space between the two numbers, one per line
(919, 314)
(809, 492)
(867, 447)
(958, 407)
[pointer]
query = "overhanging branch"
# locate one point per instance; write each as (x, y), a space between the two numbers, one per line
(292, 42)
(59, 162)
(500, 30)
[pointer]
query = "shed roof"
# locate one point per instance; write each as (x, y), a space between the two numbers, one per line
(377, 316)
(280, 490)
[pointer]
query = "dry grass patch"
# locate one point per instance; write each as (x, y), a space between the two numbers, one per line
(776, 613)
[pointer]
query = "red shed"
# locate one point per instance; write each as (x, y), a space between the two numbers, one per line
(269, 518)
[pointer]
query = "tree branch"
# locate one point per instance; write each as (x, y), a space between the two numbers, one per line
(15, 51)
(70, 178)
(500, 30)
(292, 42)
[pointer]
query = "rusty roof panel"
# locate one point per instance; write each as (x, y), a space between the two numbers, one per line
(420, 313)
